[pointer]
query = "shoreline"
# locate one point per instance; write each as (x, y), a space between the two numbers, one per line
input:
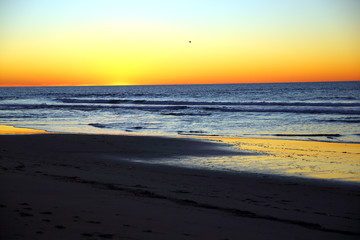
(64, 186)
(15, 130)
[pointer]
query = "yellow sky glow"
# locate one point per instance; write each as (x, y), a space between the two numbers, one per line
(144, 48)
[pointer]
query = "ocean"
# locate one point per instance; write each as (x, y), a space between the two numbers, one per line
(322, 111)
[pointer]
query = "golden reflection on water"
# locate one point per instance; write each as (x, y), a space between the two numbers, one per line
(326, 160)
(14, 130)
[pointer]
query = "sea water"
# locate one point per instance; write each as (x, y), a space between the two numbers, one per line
(323, 111)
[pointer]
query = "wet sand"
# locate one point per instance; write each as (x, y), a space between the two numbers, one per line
(65, 186)
(311, 159)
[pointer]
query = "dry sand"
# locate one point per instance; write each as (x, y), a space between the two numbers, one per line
(62, 186)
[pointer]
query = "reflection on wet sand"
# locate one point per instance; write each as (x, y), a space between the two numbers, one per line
(324, 160)
(15, 130)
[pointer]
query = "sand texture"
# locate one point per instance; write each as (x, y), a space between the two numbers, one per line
(62, 186)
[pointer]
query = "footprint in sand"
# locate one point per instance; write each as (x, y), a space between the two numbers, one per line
(102, 235)
(94, 222)
(108, 236)
(60, 227)
(24, 214)
(46, 213)
(87, 234)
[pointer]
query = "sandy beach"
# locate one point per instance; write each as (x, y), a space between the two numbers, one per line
(72, 186)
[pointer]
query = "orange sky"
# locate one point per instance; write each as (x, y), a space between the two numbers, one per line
(147, 42)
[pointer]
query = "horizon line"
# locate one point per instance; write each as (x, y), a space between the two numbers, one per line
(185, 84)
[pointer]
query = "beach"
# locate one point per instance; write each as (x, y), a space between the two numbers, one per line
(88, 186)
(176, 120)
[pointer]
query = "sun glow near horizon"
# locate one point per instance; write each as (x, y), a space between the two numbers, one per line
(110, 42)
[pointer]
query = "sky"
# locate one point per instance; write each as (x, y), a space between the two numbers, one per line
(139, 42)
